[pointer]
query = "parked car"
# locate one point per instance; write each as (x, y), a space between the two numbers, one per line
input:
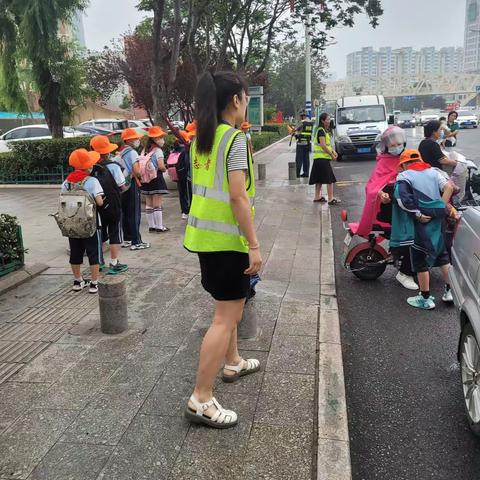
(139, 125)
(465, 283)
(114, 124)
(31, 132)
(405, 120)
(467, 119)
(84, 130)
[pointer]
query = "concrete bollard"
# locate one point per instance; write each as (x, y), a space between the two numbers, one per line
(292, 171)
(262, 171)
(248, 328)
(112, 296)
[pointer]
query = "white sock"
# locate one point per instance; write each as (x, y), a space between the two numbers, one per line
(113, 261)
(150, 218)
(80, 279)
(158, 215)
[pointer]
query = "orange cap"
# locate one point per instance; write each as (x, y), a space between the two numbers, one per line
(245, 126)
(102, 145)
(130, 134)
(187, 136)
(191, 127)
(156, 132)
(83, 159)
(410, 155)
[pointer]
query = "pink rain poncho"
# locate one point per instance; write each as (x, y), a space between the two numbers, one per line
(384, 173)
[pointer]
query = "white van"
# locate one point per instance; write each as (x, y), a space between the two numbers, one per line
(358, 121)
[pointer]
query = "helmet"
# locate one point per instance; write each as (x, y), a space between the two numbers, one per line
(390, 136)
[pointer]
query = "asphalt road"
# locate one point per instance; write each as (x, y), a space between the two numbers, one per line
(405, 404)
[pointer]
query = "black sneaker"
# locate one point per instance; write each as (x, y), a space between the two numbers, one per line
(93, 287)
(79, 285)
(152, 230)
(116, 269)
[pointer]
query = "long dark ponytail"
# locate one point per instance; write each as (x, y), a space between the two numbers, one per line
(214, 92)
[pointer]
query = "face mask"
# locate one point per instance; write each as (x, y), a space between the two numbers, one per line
(136, 143)
(397, 151)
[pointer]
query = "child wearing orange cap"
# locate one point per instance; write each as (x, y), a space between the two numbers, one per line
(131, 201)
(245, 127)
(83, 161)
(112, 180)
(156, 188)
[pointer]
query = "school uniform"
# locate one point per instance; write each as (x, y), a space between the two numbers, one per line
(157, 186)
(92, 245)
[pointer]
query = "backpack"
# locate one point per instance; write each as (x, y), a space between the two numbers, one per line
(182, 166)
(77, 212)
(172, 162)
(147, 170)
(118, 159)
(111, 210)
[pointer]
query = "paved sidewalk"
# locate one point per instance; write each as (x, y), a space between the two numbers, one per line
(76, 404)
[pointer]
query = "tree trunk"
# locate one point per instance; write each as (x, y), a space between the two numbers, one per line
(161, 83)
(50, 102)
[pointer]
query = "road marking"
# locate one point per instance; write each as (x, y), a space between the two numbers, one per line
(348, 183)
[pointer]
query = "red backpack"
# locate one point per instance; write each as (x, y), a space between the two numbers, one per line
(172, 161)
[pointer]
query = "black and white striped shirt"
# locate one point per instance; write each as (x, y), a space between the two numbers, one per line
(237, 158)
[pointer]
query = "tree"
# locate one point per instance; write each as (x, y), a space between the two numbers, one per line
(287, 78)
(29, 34)
(126, 103)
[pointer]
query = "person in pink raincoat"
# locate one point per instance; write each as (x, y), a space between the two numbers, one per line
(379, 192)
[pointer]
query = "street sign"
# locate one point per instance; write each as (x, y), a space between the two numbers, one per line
(252, 91)
(255, 106)
(308, 109)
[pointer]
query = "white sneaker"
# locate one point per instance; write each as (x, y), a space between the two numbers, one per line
(406, 281)
(126, 244)
(447, 296)
(184, 216)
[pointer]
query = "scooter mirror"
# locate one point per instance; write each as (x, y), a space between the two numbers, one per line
(344, 215)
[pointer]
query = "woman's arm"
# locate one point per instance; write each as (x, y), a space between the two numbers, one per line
(325, 147)
(243, 213)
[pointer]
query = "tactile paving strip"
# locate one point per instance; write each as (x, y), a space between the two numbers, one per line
(48, 315)
(21, 352)
(42, 332)
(8, 369)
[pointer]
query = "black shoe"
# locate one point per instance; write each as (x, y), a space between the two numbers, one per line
(152, 230)
(304, 175)
(93, 288)
(79, 285)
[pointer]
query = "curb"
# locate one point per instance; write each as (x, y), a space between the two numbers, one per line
(17, 278)
(333, 454)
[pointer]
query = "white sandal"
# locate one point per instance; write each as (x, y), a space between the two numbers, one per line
(222, 418)
(245, 367)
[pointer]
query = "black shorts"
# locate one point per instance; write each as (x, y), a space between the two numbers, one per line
(91, 245)
(113, 233)
(419, 260)
(223, 275)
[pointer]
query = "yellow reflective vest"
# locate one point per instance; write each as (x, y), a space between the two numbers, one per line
(318, 151)
(212, 226)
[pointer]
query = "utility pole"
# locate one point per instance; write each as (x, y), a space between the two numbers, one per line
(308, 68)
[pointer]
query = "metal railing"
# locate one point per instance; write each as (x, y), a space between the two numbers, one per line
(39, 177)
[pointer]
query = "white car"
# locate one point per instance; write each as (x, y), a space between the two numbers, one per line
(467, 119)
(31, 132)
(427, 116)
(114, 124)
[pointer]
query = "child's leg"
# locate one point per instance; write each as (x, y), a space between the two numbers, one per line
(158, 211)
(77, 249)
(149, 211)
(94, 246)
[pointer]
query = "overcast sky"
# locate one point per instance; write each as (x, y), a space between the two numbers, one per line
(405, 23)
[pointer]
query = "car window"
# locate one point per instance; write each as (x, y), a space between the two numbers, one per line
(37, 132)
(16, 134)
(87, 124)
(132, 125)
(103, 124)
(120, 125)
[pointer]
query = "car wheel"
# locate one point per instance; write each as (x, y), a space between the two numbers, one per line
(365, 265)
(470, 371)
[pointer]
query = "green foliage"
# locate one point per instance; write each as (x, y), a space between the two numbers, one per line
(11, 247)
(126, 102)
(264, 139)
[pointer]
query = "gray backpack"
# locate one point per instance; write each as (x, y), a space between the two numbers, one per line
(77, 212)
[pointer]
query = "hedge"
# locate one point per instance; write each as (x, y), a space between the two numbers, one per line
(36, 156)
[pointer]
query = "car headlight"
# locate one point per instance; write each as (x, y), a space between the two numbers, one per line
(344, 139)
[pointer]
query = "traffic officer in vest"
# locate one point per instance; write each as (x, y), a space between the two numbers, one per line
(323, 154)
(304, 138)
(221, 231)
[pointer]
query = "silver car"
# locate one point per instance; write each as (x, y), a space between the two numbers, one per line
(465, 282)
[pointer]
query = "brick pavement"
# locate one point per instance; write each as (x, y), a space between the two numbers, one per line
(88, 406)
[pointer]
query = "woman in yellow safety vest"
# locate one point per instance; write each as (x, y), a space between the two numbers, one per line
(323, 154)
(221, 231)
